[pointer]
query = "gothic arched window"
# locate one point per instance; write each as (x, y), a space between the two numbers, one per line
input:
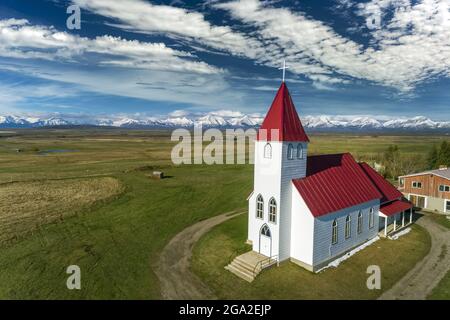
(299, 151)
(371, 218)
(273, 211)
(334, 232)
(268, 151)
(290, 153)
(259, 207)
(348, 227)
(265, 231)
(360, 222)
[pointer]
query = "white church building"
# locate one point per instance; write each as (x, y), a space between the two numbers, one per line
(311, 209)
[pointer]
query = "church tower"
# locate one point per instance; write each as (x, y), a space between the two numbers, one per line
(281, 151)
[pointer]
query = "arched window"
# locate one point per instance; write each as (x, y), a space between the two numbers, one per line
(360, 222)
(371, 218)
(265, 231)
(334, 233)
(290, 153)
(268, 151)
(299, 151)
(259, 207)
(348, 227)
(273, 211)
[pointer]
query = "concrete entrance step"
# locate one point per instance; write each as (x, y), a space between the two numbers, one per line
(243, 275)
(248, 265)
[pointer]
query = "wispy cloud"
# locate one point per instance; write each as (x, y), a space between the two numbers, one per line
(413, 46)
(20, 39)
(144, 17)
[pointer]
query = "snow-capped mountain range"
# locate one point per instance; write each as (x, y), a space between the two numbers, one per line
(235, 119)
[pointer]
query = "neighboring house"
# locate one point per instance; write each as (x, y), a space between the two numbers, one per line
(312, 209)
(428, 190)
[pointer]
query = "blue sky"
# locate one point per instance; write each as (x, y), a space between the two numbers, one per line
(383, 58)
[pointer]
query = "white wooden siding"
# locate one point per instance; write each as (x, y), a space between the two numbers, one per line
(267, 183)
(291, 169)
(272, 178)
(302, 229)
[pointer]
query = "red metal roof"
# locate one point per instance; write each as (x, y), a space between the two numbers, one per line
(394, 207)
(334, 182)
(388, 191)
(282, 122)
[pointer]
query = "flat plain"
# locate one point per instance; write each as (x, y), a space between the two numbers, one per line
(84, 197)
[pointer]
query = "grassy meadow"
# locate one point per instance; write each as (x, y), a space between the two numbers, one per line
(442, 290)
(95, 205)
(216, 249)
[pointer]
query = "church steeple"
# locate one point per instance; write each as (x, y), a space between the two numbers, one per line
(283, 117)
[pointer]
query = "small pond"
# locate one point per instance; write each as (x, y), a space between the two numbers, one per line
(46, 152)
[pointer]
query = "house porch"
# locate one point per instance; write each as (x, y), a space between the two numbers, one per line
(394, 216)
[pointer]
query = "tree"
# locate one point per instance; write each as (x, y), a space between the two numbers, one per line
(397, 164)
(392, 161)
(432, 158)
(444, 154)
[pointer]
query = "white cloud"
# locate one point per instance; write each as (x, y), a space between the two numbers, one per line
(413, 47)
(144, 17)
(226, 113)
(204, 90)
(19, 39)
(178, 113)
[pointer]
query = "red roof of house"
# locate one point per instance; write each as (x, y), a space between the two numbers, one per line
(282, 122)
(334, 182)
(388, 191)
(394, 207)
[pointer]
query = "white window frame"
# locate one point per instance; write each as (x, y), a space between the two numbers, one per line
(445, 205)
(360, 223)
(268, 151)
(300, 153)
(348, 227)
(290, 152)
(415, 184)
(273, 211)
(259, 206)
(371, 218)
(445, 188)
(334, 232)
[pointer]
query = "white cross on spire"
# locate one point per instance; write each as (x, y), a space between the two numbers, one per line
(284, 69)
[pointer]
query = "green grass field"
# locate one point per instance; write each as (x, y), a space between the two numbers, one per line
(441, 219)
(442, 290)
(216, 249)
(115, 237)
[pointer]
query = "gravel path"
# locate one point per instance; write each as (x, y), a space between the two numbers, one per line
(178, 282)
(419, 281)
(173, 268)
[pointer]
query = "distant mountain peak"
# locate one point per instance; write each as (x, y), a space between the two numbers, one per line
(232, 119)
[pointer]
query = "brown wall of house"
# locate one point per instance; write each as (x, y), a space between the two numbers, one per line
(430, 186)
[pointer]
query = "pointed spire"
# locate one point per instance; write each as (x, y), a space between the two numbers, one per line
(282, 122)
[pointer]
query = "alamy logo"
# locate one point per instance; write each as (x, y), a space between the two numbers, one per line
(74, 20)
(229, 146)
(374, 280)
(74, 280)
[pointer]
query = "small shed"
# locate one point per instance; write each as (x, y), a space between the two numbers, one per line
(158, 175)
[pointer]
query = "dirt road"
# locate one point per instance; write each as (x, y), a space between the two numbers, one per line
(419, 281)
(173, 268)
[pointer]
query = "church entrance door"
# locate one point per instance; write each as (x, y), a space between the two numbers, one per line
(265, 241)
